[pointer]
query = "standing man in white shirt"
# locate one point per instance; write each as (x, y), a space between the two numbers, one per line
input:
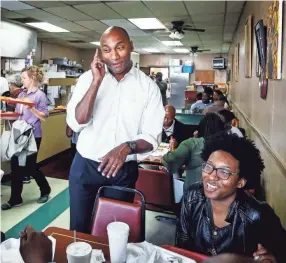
(118, 111)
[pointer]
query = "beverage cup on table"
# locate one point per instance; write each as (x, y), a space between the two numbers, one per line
(79, 252)
(118, 233)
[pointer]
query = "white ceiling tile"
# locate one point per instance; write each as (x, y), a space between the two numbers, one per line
(139, 10)
(205, 7)
(231, 19)
(92, 34)
(208, 20)
(68, 12)
(15, 5)
(121, 23)
(41, 15)
(229, 29)
(234, 6)
(74, 35)
(227, 38)
(43, 4)
(167, 8)
(93, 25)
(213, 29)
(10, 14)
(136, 32)
(70, 26)
(210, 43)
(211, 36)
(99, 11)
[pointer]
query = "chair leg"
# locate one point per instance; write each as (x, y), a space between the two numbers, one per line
(166, 219)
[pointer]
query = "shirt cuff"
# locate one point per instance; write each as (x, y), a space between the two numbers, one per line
(73, 123)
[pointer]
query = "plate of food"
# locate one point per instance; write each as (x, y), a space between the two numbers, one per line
(24, 101)
(9, 115)
(61, 108)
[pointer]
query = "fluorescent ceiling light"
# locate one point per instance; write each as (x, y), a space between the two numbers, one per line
(95, 43)
(172, 43)
(181, 50)
(147, 23)
(151, 50)
(47, 27)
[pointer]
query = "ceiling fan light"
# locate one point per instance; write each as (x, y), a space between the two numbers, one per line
(180, 36)
(172, 35)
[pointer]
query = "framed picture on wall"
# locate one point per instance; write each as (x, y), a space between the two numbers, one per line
(247, 47)
(236, 62)
(274, 40)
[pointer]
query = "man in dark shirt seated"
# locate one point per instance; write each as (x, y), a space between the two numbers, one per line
(218, 216)
(173, 128)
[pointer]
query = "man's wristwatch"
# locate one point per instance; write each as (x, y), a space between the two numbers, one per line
(132, 146)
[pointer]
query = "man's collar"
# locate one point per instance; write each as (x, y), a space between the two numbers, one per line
(171, 127)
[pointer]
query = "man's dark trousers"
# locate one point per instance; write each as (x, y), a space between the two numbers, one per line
(84, 183)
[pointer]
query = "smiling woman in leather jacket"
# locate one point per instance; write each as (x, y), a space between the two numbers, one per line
(218, 216)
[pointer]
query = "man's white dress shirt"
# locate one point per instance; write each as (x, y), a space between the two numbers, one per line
(127, 110)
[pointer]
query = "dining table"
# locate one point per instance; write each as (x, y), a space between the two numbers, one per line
(65, 237)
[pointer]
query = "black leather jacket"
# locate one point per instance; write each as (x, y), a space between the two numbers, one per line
(250, 222)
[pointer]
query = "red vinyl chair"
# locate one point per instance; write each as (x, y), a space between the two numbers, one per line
(108, 210)
(157, 187)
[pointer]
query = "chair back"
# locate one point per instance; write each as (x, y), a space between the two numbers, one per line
(157, 187)
(107, 210)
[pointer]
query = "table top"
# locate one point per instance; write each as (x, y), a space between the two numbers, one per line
(64, 237)
(199, 258)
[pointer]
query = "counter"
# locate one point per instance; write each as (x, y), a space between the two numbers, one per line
(54, 138)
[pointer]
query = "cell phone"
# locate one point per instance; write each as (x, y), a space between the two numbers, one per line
(100, 56)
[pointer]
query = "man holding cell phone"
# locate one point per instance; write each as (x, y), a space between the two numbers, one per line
(119, 113)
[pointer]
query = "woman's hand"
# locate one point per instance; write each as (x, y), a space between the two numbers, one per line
(263, 255)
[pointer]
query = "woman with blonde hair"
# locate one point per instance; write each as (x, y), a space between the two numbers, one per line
(32, 77)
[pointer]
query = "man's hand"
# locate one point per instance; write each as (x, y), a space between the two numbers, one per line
(97, 68)
(263, 255)
(112, 162)
(35, 247)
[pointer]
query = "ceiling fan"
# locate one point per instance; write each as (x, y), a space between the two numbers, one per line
(177, 30)
(180, 26)
(195, 49)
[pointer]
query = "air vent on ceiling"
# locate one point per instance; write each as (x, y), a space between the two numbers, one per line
(26, 20)
(76, 41)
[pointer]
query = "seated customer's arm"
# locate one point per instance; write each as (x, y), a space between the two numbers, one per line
(273, 235)
(175, 159)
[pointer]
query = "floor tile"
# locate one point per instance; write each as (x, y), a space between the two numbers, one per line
(30, 195)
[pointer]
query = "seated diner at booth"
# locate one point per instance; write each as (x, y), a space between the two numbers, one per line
(218, 216)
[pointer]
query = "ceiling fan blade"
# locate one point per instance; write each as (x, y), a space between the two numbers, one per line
(194, 29)
(203, 50)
